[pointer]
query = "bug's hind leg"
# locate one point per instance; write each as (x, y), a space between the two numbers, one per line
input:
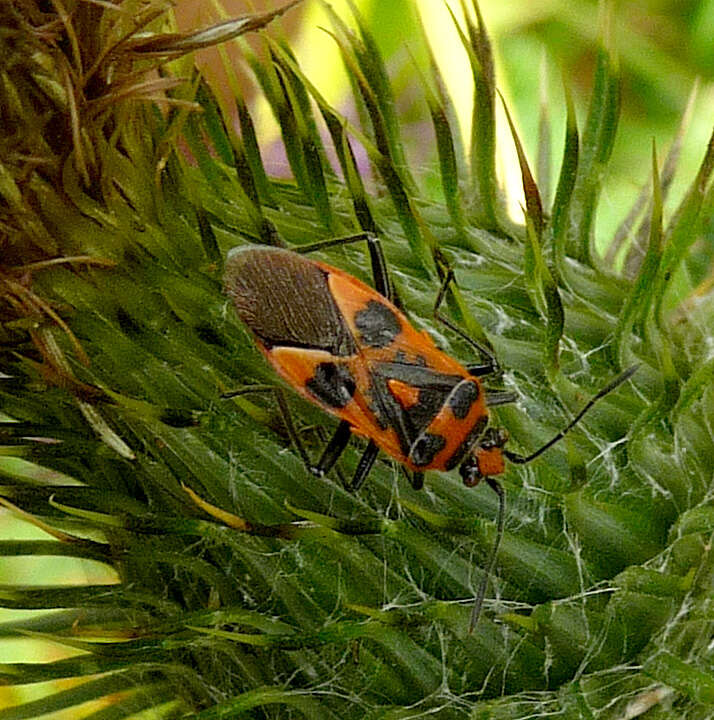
(417, 480)
(382, 282)
(334, 447)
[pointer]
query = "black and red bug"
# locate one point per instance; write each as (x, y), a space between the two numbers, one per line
(347, 348)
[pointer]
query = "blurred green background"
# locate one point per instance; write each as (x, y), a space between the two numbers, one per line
(664, 48)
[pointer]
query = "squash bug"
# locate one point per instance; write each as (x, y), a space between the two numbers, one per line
(350, 350)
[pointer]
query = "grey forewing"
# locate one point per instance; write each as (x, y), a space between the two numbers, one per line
(285, 300)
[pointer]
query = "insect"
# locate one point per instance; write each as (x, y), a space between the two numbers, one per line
(347, 347)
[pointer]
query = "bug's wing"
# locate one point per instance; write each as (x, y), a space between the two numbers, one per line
(285, 300)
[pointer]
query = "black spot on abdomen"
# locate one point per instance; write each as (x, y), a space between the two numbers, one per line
(332, 384)
(425, 448)
(465, 394)
(377, 325)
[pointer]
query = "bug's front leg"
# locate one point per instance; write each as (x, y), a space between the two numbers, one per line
(489, 367)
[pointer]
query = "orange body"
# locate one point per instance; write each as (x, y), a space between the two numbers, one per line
(345, 347)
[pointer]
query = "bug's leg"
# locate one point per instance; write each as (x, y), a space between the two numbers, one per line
(481, 369)
(364, 466)
(500, 523)
(417, 480)
(334, 447)
(333, 450)
(491, 364)
(499, 397)
(382, 282)
(333, 242)
(330, 455)
(323, 437)
(290, 427)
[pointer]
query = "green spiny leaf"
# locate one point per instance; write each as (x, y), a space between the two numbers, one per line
(597, 142)
(483, 122)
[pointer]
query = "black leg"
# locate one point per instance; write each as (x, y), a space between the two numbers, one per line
(491, 364)
(500, 523)
(382, 283)
(290, 427)
(333, 450)
(364, 466)
(499, 397)
(334, 447)
(417, 480)
(322, 436)
(284, 410)
(479, 370)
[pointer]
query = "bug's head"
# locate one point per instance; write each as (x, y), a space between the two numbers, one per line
(486, 459)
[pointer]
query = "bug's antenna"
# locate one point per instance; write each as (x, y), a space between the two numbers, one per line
(478, 602)
(621, 378)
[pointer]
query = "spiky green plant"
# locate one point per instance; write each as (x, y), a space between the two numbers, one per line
(118, 342)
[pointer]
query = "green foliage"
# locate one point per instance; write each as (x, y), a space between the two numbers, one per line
(270, 593)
